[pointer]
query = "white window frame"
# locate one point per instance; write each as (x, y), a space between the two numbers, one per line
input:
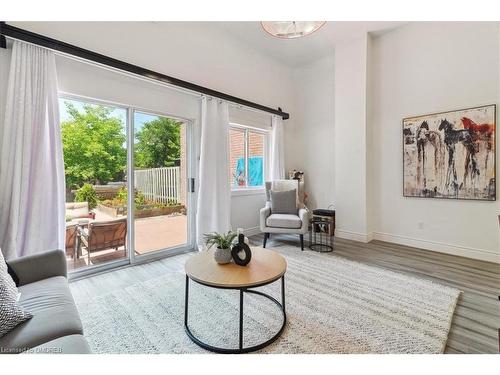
(250, 190)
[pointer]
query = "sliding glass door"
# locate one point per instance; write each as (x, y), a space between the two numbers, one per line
(159, 178)
(109, 151)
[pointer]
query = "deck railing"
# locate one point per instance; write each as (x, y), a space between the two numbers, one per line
(159, 184)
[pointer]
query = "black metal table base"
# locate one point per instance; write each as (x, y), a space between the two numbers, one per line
(241, 348)
(321, 248)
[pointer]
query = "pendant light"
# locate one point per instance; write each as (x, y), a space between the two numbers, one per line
(291, 29)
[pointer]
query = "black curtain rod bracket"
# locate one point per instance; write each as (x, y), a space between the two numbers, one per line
(56, 45)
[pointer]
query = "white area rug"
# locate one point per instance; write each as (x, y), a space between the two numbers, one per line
(333, 306)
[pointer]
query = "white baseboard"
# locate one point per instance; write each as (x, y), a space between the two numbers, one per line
(370, 236)
(439, 247)
(355, 236)
(463, 251)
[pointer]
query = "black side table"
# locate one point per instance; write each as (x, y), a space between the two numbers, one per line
(322, 230)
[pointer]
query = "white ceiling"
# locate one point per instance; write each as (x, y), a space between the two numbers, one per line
(301, 51)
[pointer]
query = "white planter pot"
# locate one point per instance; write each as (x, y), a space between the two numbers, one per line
(223, 256)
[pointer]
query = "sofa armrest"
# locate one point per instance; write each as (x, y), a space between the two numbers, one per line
(41, 266)
(304, 217)
(264, 214)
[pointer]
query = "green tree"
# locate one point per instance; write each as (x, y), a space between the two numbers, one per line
(158, 143)
(93, 146)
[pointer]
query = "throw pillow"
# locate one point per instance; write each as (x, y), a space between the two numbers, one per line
(284, 202)
(11, 313)
(4, 269)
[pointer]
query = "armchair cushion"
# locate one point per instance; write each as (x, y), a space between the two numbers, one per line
(284, 202)
(285, 185)
(284, 221)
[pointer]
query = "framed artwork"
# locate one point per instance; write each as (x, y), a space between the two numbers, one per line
(451, 154)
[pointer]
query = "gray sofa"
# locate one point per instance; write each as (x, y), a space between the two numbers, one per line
(56, 326)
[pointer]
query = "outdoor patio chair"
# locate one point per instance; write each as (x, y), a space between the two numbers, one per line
(78, 210)
(71, 240)
(103, 236)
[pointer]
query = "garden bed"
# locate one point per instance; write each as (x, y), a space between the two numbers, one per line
(142, 211)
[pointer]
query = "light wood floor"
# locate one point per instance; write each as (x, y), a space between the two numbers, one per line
(477, 316)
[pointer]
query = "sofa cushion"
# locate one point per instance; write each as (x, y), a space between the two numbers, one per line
(284, 221)
(284, 202)
(73, 344)
(54, 315)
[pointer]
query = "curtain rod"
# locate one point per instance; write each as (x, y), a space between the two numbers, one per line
(56, 45)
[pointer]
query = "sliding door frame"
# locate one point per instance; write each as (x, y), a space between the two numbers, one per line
(189, 246)
(131, 259)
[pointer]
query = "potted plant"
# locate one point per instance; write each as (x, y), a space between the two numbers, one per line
(222, 254)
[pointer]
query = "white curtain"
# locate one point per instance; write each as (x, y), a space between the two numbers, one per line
(214, 192)
(277, 167)
(32, 187)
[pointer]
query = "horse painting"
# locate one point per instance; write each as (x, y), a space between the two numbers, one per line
(481, 132)
(450, 154)
(452, 137)
(425, 137)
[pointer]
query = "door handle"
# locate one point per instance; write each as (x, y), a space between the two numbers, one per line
(191, 185)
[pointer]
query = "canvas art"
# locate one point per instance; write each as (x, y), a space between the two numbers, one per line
(450, 154)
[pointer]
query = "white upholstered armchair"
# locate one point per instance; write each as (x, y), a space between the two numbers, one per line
(284, 223)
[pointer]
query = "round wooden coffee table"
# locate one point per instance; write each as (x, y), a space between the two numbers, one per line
(265, 267)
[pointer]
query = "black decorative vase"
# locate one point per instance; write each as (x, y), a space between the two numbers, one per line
(238, 248)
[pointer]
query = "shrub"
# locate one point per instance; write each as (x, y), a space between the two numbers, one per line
(140, 199)
(87, 194)
(121, 198)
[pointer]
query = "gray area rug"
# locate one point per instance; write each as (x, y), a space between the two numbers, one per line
(333, 305)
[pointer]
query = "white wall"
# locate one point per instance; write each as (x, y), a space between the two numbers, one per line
(75, 77)
(424, 68)
(350, 138)
(190, 51)
(416, 69)
(370, 139)
(310, 145)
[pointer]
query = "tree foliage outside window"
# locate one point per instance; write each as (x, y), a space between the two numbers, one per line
(93, 145)
(158, 143)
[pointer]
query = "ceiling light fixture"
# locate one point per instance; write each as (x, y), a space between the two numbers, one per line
(291, 29)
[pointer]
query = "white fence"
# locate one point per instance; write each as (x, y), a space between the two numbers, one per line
(159, 184)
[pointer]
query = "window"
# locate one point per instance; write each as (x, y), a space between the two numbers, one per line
(246, 157)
